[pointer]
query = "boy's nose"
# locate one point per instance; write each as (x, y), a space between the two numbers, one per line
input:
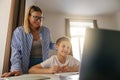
(66, 49)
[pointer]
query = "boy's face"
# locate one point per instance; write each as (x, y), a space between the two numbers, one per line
(63, 48)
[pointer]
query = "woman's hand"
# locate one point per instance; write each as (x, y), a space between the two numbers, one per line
(13, 73)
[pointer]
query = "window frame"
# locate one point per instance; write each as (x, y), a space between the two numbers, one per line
(68, 26)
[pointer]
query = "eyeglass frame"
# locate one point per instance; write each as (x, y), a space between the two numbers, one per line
(41, 18)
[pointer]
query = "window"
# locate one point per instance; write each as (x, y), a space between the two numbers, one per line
(77, 33)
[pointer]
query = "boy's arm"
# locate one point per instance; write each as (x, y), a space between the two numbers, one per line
(38, 69)
(70, 69)
(74, 69)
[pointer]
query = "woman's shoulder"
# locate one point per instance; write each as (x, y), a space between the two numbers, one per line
(19, 28)
(44, 28)
(19, 31)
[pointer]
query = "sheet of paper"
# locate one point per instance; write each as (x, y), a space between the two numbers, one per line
(68, 76)
(27, 77)
(4, 79)
(67, 73)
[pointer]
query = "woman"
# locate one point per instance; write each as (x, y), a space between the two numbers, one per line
(30, 43)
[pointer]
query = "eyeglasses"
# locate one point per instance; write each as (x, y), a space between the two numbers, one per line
(41, 18)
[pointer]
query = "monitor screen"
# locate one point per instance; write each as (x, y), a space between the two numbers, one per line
(101, 55)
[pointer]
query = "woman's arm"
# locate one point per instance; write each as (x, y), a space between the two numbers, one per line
(15, 55)
(14, 73)
(16, 50)
(52, 46)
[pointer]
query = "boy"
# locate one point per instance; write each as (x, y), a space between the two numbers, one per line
(62, 62)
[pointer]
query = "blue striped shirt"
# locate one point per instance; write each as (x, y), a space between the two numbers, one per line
(21, 47)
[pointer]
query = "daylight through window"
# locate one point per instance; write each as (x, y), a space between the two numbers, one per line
(77, 33)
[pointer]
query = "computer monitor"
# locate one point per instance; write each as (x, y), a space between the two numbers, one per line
(101, 55)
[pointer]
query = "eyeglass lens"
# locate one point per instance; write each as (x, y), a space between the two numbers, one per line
(38, 17)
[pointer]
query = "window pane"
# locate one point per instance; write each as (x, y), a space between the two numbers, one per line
(75, 48)
(81, 44)
(77, 32)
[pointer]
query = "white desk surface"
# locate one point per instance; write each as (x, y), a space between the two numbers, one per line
(64, 76)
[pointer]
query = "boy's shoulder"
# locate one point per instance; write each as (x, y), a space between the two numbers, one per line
(53, 58)
(70, 56)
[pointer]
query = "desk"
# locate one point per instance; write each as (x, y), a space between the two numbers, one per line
(43, 77)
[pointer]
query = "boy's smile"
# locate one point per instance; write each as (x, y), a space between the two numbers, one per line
(64, 48)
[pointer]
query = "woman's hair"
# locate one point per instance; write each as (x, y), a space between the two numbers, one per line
(62, 39)
(27, 14)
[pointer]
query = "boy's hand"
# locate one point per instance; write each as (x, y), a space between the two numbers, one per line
(54, 69)
(66, 69)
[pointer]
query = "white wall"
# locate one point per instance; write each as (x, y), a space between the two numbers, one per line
(4, 19)
(56, 22)
(118, 19)
(107, 22)
(29, 3)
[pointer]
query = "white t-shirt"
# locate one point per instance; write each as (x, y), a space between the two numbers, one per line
(53, 60)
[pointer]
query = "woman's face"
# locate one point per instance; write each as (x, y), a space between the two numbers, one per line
(35, 20)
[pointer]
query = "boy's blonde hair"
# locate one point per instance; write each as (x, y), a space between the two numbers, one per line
(27, 14)
(62, 39)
